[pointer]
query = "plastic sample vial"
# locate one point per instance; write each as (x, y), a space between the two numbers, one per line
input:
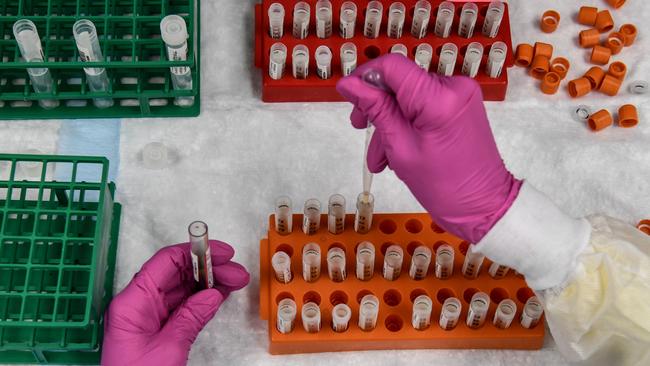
(496, 59)
(156, 155)
(348, 58)
(450, 313)
(281, 263)
(472, 264)
(311, 317)
(401, 49)
(532, 312)
(200, 253)
(286, 320)
(365, 209)
(396, 16)
(336, 214)
(31, 50)
(277, 60)
(444, 261)
(301, 14)
(174, 33)
(505, 314)
(336, 264)
(341, 315)
(478, 309)
(348, 19)
(374, 12)
(498, 271)
(310, 262)
(323, 19)
(85, 36)
(311, 216)
(393, 262)
(421, 17)
(276, 20)
(368, 312)
(423, 55)
(445, 19)
(300, 61)
(468, 16)
(448, 57)
(472, 60)
(421, 317)
(493, 19)
(365, 261)
(323, 58)
(283, 215)
(420, 262)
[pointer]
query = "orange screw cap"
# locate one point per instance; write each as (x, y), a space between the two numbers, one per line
(524, 55)
(604, 21)
(543, 49)
(600, 120)
(615, 42)
(644, 226)
(629, 33)
(540, 66)
(589, 38)
(550, 21)
(618, 70)
(616, 3)
(610, 85)
(560, 66)
(600, 55)
(595, 75)
(587, 15)
(628, 116)
(579, 87)
(550, 83)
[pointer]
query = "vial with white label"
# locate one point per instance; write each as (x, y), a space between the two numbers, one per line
(532, 313)
(311, 317)
(323, 19)
(401, 49)
(423, 56)
(348, 19)
(473, 263)
(493, 19)
(421, 317)
(286, 317)
(336, 214)
(311, 216)
(281, 263)
(396, 16)
(374, 13)
(348, 58)
(444, 261)
(174, 33)
(478, 309)
(276, 20)
(393, 262)
(365, 261)
(421, 17)
(301, 14)
(368, 312)
(468, 16)
(450, 313)
(448, 57)
(498, 271)
(311, 262)
(336, 264)
(300, 61)
(277, 60)
(283, 215)
(472, 61)
(323, 56)
(504, 314)
(85, 36)
(365, 209)
(444, 19)
(200, 254)
(496, 59)
(420, 262)
(341, 315)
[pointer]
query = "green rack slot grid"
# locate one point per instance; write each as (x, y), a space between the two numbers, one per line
(135, 59)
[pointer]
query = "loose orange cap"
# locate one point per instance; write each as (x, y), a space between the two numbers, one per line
(579, 87)
(600, 55)
(628, 116)
(587, 15)
(629, 33)
(595, 75)
(550, 83)
(543, 49)
(524, 55)
(604, 21)
(560, 66)
(616, 3)
(550, 21)
(600, 120)
(644, 226)
(618, 70)
(540, 66)
(589, 38)
(615, 42)
(610, 85)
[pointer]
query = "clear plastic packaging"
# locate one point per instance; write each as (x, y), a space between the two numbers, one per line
(283, 215)
(348, 58)
(336, 214)
(478, 309)
(348, 19)
(276, 20)
(277, 60)
(85, 36)
(448, 57)
(311, 262)
(493, 19)
(365, 209)
(323, 58)
(532, 313)
(311, 319)
(472, 61)
(468, 16)
(444, 261)
(423, 56)
(393, 262)
(286, 317)
(496, 59)
(450, 313)
(396, 17)
(374, 13)
(473, 263)
(421, 316)
(174, 33)
(401, 49)
(365, 261)
(445, 19)
(420, 263)
(341, 315)
(336, 264)
(323, 19)
(301, 14)
(368, 312)
(311, 216)
(421, 17)
(504, 314)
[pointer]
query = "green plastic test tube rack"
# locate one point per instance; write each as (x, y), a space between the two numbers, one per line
(58, 242)
(135, 58)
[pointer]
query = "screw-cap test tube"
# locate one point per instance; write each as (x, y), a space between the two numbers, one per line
(200, 253)
(286, 320)
(420, 262)
(448, 57)
(174, 33)
(311, 317)
(300, 61)
(85, 36)
(421, 17)
(283, 215)
(400, 48)
(423, 55)
(365, 261)
(323, 19)
(444, 19)
(311, 262)
(393, 262)
(311, 216)
(396, 16)
(365, 209)
(498, 271)
(336, 214)
(336, 264)
(473, 263)
(348, 58)
(421, 317)
(472, 61)
(450, 313)
(468, 16)
(532, 312)
(493, 19)
(496, 59)
(31, 50)
(368, 312)
(505, 314)
(281, 263)
(444, 261)
(348, 19)
(478, 309)
(277, 60)
(374, 13)
(301, 14)
(341, 315)
(323, 58)
(276, 20)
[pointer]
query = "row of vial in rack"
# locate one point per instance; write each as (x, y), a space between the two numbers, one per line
(396, 19)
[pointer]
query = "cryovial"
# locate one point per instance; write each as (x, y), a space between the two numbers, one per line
(420, 262)
(504, 314)
(348, 58)
(401, 49)
(311, 216)
(174, 33)
(532, 313)
(348, 19)
(301, 14)
(283, 215)
(493, 19)
(281, 263)
(472, 264)
(311, 317)
(323, 19)
(498, 271)
(445, 19)
(393, 262)
(336, 214)
(287, 311)
(365, 261)
(85, 36)
(300, 61)
(368, 312)
(467, 20)
(448, 56)
(478, 309)
(421, 317)
(341, 315)
(323, 58)
(396, 16)
(374, 13)
(277, 60)
(423, 55)
(444, 261)
(276, 20)
(496, 59)
(472, 60)
(31, 50)
(336, 264)
(365, 209)
(421, 17)
(200, 253)
(450, 313)
(311, 262)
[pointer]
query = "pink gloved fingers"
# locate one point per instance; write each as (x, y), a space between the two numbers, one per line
(232, 275)
(377, 159)
(359, 119)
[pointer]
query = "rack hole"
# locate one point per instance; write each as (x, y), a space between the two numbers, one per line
(413, 226)
(524, 293)
(394, 323)
(436, 228)
(392, 297)
(372, 52)
(361, 294)
(285, 248)
(410, 248)
(338, 297)
(499, 294)
(388, 226)
(463, 247)
(385, 246)
(283, 295)
(311, 296)
(467, 294)
(417, 292)
(443, 294)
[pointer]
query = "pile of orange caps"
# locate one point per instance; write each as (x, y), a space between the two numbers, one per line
(644, 226)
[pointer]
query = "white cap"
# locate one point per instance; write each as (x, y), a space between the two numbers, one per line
(173, 30)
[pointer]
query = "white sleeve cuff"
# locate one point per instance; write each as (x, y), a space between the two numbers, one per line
(536, 239)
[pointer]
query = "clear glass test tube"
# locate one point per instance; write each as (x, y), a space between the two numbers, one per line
(311, 262)
(421, 17)
(448, 57)
(444, 261)
(423, 56)
(348, 19)
(300, 61)
(444, 19)
(323, 58)
(493, 19)
(421, 317)
(336, 264)
(277, 60)
(348, 58)
(283, 215)
(311, 317)
(496, 59)
(85, 35)
(368, 312)
(504, 314)
(374, 13)
(450, 313)
(472, 264)
(365, 261)
(200, 253)
(301, 14)
(174, 33)
(393, 262)
(281, 263)
(336, 214)
(468, 16)
(311, 216)
(472, 61)
(478, 309)
(323, 19)
(401, 49)
(286, 317)
(341, 315)
(276, 20)
(420, 262)
(532, 313)
(396, 17)
(29, 44)
(498, 271)
(365, 209)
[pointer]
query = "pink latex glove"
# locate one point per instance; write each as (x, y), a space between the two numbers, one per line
(434, 133)
(157, 317)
